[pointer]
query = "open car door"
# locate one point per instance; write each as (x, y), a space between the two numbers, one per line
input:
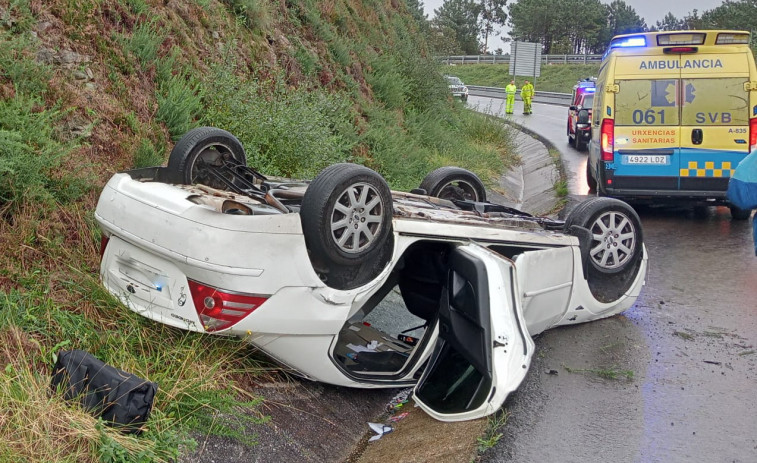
(484, 349)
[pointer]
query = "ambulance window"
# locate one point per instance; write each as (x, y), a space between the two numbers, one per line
(721, 101)
(647, 102)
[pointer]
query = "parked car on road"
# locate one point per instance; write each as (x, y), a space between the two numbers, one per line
(350, 283)
(579, 114)
(457, 87)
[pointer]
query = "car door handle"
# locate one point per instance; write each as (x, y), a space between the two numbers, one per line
(697, 136)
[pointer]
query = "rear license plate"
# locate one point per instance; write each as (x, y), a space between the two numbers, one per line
(646, 159)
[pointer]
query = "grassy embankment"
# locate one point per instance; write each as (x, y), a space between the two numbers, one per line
(554, 78)
(90, 87)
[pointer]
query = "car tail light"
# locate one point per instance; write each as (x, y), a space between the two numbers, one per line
(103, 244)
(218, 309)
(752, 133)
(607, 134)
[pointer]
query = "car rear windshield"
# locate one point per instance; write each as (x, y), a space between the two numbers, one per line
(588, 101)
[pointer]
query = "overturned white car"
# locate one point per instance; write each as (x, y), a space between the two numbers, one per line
(352, 284)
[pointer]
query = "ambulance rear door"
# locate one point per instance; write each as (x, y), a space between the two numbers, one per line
(647, 123)
(714, 118)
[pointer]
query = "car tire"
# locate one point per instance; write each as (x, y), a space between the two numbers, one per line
(608, 283)
(454, 183)
(201, 147)
(346, 217)
(590, 180)
(617, 237)
(740, 214)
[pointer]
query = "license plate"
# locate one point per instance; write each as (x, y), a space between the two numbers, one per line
(646, 159)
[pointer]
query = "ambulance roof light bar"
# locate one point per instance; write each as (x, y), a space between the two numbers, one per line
(727, 38)
(630, 41)
(677, 39)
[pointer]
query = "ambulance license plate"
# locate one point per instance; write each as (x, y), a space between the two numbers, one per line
(646, 159)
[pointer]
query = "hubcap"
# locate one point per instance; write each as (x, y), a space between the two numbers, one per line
(614, 240)
(356, 218)
(458, 190)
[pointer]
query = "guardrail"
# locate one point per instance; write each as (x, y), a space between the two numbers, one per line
(561, 99)
(505, 59)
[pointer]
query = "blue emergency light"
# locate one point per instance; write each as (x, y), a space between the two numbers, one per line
(624, 42)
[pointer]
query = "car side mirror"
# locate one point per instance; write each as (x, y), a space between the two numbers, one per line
(573, 107)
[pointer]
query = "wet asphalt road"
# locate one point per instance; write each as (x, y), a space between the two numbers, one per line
(689, 345)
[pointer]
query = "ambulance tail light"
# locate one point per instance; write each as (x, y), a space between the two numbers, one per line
(606, 137)
(218, 309)
(752, 134)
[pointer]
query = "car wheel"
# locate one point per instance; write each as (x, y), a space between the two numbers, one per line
(590, 180)
(616, 233)
(346, 218)
(454, 183)
(199, 151)
(740, 214)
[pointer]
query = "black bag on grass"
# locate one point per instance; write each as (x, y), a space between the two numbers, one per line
(122, 399)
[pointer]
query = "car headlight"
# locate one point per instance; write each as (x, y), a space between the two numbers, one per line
(465, 89)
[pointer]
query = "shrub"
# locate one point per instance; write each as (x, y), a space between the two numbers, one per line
(144, 43)
(287, 132)
(30, 153)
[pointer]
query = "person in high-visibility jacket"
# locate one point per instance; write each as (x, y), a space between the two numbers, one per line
(527, 93)
(510, 93)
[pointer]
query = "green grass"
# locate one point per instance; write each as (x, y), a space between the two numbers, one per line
(492, 435)
(31, 152)
(554, 77)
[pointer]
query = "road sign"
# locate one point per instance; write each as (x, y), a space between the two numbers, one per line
(525, 59)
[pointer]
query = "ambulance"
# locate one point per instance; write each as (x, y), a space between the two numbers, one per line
(674, 113)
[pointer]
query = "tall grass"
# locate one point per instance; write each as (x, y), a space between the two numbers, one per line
(179, 96)
(31, 153)
(286, 132)
(144, 43)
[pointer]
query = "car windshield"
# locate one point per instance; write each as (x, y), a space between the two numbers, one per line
(588, 101)
(454, 80)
